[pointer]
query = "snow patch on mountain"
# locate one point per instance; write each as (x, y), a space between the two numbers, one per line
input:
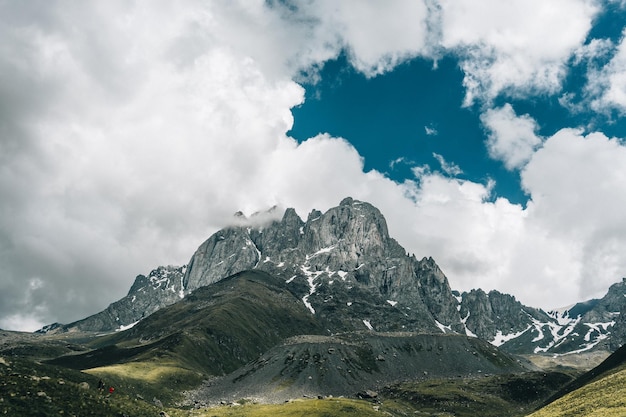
(501, 338)
(321, 251)
(559, 332)
(311, 277)
(444, 328)
(128, 326)
(468, 332)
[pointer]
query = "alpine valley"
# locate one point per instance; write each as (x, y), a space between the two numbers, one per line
(330, 311)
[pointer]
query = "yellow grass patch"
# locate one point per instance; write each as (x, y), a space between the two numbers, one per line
(147, 372)
(336, 407)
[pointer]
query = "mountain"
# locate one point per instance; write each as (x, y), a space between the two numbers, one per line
(342, 261)
(346, 269)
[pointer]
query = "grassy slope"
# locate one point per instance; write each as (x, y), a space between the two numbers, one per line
(599, 392)
(22, 381)
(498, 395)
(28, 388)
(218, 330)
(150, 380)
(605, 397)
(213, 331)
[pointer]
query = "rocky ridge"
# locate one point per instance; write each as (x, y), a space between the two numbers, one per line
(346, 269)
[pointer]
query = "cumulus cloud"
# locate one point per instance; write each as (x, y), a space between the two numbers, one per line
(565, 246)
(514, 47)
(133, 132)
(596, 48)
(376, 38)
(512, 138)
(578, 188)
(607, 85)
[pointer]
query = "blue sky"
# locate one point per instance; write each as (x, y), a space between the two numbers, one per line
(402, 119)
(491, 135)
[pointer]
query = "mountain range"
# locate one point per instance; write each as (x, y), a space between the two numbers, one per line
(274, 308)
(347, 270)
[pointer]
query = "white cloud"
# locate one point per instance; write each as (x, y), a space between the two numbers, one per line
(514, 47)
(377, 38)
(608, 84)
(511, 138)
(596, 48)
(430, 131)
(131, 139)
(449, 168)
(579, 189)
(400, 160)
(567, 245)
(470, 237)
(130, 160)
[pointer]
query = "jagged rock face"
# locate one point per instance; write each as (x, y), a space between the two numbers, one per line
(606, 317)
(328, 259)
(476, 310)
(163, 286)
(489, 313)
(435, 291)
(499, 318)
(225, 253)
(619, 329)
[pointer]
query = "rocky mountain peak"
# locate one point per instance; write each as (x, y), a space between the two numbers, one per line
(340, 260)
(346, 269)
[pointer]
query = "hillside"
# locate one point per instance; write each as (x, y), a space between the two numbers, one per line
(214, 330)
(601, 391)
(346, 364)
(252, 327)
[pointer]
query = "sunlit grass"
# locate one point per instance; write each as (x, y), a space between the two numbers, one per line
(331, 407)
(162, 380)
(603, 398)
(150, 372)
